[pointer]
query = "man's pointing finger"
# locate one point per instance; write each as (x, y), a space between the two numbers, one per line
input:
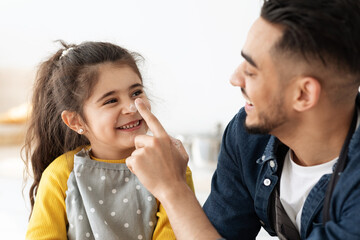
(152, 122)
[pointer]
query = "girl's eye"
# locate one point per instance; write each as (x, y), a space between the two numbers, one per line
(137, 93)
(113, 100)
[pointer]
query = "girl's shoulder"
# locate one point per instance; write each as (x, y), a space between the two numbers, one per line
(62, 166)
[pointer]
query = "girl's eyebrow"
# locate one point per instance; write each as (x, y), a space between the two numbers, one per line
(136, 85)
(113, 92)
(106, 95)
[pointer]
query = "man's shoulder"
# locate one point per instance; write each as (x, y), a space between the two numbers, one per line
(241, 146)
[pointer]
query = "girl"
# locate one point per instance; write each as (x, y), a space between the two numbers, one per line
(84, 118)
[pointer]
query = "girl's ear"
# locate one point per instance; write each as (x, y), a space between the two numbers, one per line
(73, 121)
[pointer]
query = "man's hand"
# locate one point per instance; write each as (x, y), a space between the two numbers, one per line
(159, 161)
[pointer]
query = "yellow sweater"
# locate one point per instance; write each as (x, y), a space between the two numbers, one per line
(49, 220)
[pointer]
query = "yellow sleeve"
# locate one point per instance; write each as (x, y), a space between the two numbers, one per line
(163, 230)
(48, 219)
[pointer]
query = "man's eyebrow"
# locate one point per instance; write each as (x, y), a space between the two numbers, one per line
(248, 59)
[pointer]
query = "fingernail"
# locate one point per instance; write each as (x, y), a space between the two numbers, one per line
(138, 101)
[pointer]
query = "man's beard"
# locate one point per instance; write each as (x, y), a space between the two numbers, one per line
(268, 121)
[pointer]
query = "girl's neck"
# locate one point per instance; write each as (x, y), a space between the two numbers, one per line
(111, 154)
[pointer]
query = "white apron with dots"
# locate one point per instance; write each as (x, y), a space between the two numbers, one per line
(107, 201)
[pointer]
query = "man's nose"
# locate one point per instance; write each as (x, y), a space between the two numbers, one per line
(237, 79)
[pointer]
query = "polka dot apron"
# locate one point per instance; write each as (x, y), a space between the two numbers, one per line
(106, 201)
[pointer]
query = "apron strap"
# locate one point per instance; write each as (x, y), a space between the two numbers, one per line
(283, 226)
(340, 166)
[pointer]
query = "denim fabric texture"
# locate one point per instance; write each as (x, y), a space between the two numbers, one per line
(246, 174)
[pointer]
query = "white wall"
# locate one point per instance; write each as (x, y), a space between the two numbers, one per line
(191, 47)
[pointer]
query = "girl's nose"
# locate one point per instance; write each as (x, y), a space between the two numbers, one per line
(129, 108)
(132, 108)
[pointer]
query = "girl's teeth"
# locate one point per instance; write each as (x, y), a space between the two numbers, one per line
(130, 126)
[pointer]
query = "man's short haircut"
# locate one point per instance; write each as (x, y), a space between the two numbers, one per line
(325, 30)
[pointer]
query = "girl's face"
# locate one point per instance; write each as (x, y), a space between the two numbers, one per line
(112, 122)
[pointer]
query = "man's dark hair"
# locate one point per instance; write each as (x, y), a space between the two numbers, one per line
(325, 30)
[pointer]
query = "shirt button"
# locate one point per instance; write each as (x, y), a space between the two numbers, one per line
(267, 182)
(263, 157)
(272, 163)
(262, 223)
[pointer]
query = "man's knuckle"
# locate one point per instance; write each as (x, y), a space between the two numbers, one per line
(155, 142)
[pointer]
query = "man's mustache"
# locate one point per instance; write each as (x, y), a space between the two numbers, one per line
(244, 93)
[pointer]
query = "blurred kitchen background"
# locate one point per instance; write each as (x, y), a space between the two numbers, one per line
(191, 49)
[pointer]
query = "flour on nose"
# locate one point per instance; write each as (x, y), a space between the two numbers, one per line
(132, 108)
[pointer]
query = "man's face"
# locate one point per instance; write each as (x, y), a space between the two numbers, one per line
(260, 81)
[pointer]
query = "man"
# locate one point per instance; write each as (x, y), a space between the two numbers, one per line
(290, 159)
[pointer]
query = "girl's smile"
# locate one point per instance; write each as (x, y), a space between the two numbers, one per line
(131, 126)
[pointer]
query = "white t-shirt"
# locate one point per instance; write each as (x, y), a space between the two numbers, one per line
(302, 180)
(297, 181)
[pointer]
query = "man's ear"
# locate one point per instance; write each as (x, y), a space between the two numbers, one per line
(307, 93)
(73, 121)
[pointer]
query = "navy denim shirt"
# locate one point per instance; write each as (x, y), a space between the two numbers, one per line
(247, 173)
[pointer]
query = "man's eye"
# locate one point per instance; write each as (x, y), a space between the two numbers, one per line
(249, 74)
(113, 100)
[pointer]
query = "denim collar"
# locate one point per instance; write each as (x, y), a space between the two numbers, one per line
(271, 153)
(270, 150)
